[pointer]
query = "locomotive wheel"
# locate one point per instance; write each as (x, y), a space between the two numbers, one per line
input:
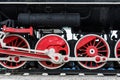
(91, 45)
(117, 50)
(57, 43)
(14, 41)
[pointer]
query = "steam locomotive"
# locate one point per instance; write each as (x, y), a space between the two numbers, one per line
(67, 36)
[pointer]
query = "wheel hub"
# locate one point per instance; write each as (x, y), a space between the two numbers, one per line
(92, 51)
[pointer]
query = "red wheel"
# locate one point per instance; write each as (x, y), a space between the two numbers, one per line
(91, 45)
(15, 41)
(56, 42)
(117, 50)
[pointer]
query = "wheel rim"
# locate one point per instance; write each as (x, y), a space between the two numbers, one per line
(91, 45)
(14, 41)
(117, 50)
(56, 42)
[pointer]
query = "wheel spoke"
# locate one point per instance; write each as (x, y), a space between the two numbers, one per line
(24, 46)
(12, 43)
(94, 43)
(98, 43)
(84, 46)
(91, 43)
(86, 63)
(100, 54)
(97, 65)
(19, 43)
(16, 64)
(102, 51)
(16, 40)
(82, 50)
(88, 45)
(101, 46)
(11, 64)
(91, 64)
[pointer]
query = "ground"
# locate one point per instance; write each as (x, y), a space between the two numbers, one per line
(54, 77)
